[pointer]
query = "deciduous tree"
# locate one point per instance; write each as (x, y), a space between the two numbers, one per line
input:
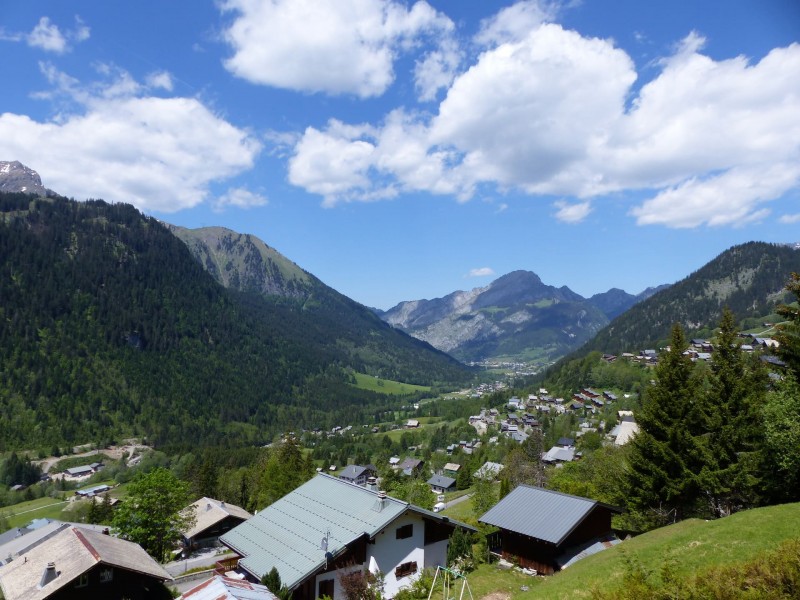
(152, 514)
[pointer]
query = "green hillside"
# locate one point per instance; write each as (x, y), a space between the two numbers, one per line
(109, 326)
(749, 279)
(689, 547)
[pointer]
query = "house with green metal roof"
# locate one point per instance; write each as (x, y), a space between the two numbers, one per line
(328, 527)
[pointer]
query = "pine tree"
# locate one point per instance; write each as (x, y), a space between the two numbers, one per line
(729, 478)
(668, 450)
(789, 333)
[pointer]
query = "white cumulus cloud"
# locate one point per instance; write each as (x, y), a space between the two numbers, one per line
(550, 112)
(240, 198)
(572, 213)
(481, 272)
(47, 36)
(330, 46)
(156, 153)
(789, 219)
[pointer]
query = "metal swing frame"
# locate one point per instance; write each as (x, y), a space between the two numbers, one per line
(449, 577)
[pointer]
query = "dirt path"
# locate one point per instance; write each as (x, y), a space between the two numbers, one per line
(113, 452)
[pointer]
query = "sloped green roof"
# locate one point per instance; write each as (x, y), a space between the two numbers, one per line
(288, 534)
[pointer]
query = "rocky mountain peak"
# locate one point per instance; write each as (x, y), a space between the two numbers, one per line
(16, 177)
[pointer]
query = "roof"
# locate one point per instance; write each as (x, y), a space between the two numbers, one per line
(627, 429)
(79, 470)
(353, 471)
(209, 512)
(74, 552)
(489, 469)
(565, 441)
(289, 534)
(452, 467)
(410, 463)
(542, 514)
(557, 453)
(225, 588)
(441, 481)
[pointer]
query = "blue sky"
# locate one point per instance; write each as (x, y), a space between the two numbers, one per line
(401, 150)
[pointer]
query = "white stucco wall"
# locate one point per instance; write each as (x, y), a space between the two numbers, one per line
(389, 552)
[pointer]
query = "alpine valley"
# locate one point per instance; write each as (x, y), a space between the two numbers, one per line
(113, 323)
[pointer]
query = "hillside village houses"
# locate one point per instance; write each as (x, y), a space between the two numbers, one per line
(328, 527)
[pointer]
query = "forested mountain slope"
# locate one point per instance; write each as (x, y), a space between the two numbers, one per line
(749, 278)
(109, 326)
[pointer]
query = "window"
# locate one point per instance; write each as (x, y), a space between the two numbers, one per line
(326, 588)
(82, 581)
(406, 531)
(405, 569)
(106, 575)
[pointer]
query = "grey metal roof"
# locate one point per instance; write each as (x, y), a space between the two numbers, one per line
(287, 534)
(540, 513)
(557, 453)
(441, 481)
(352, 472)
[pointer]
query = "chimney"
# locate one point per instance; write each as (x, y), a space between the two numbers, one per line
(49, 574)
(381, 502)
(372, 484)
(208, 506)
(222, 504)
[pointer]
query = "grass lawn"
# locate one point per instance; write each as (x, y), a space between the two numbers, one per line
(387, 386)
(41, 508)
(691, 546)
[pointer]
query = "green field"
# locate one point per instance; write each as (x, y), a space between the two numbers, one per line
(387, 386)
(41, 508)
(690, 547)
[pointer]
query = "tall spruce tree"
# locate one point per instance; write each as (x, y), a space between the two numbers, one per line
(789, 332)
(729, 480)
(668, 451)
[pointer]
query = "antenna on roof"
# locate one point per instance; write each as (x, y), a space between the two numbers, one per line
(323, 545)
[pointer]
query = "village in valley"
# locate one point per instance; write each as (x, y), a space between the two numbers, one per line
(342, 521)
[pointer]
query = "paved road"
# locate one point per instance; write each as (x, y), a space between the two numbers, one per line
(179, 567)
(457, 500)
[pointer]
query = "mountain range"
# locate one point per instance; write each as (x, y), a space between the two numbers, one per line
(111, 326)
(517, 316)
(115, 323)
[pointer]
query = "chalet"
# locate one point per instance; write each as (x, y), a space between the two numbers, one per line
(624, 432)
(212, 519)
(566, 442)
(78, 563)
(611, 397)
(441, 484)
(411, 466)
(327, 527)
(225, 588)
(558, 455)
(412, 424)
(451, 469)
(544, 530)
(358, 475)
(489, 470)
